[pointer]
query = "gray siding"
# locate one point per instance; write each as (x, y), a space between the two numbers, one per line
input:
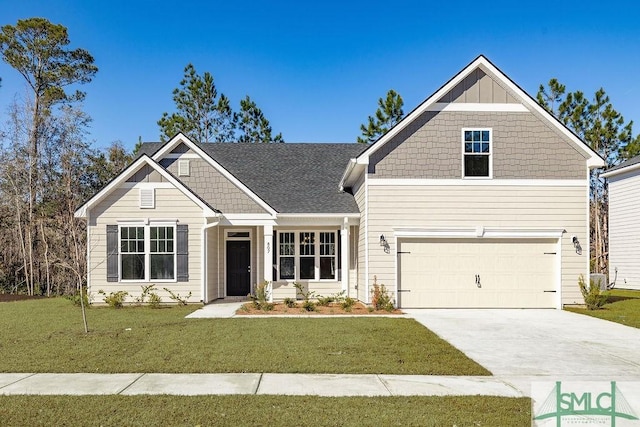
(146, 174)
(524, 147)
(624, 230)
(479, 87)
(213, 187)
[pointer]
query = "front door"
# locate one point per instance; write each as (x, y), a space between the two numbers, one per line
(238, 267)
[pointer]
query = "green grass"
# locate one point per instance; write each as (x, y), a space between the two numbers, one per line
(47, 336)
(623, 306)
(263, 410)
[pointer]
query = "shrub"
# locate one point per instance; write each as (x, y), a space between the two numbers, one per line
(325, 301)
(114, 299)
(290, 302)
(177, 298)
(261, 297)
(309, 305)
(347, 304)
(594, 298)
(148, 292)
(381, 300)
(75, 298)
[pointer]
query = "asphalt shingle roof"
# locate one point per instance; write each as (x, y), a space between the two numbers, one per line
(632, 161)
(291, 178)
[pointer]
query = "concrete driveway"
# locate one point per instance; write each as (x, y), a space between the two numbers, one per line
(539, 343)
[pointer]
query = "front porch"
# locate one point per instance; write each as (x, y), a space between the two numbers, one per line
(318, 252)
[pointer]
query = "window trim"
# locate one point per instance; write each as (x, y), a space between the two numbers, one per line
(147, 250)
(489, 154)
(316, 256)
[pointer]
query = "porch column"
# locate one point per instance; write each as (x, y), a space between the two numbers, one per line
(344, 242)
(268, 257)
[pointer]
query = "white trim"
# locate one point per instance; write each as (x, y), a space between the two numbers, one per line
(89, 269)
(593, 161)
(246, 222)
(559, 274)
(366, 237)
(310, 221)
(184, 167)
(248, 216)
(406, 182)
(476, 106)
(237, 230)
(622, 170)
(319, 215)
(181, 138)
(81, 212)
(316, 257)
(174, 156)
(204, 270)
(472, 233)
(344, 254)
(130, 185)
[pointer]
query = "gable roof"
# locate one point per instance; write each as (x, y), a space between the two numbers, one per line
(626, 166)
(289, 178)
(142, 160)
(432, 104)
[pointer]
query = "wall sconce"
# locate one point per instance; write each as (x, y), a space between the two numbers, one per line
(576, 244)
(384, 244)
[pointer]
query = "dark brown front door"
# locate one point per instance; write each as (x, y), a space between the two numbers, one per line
(238, 267)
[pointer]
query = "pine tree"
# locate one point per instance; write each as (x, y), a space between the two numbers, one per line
(253, 125)
(389, 113)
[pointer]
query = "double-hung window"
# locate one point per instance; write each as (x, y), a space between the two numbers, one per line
(307, 255)
(147, 252)
(477, 147)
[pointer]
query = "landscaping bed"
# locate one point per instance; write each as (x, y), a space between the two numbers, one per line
(281, 308)
(622, 306)
(17, 297)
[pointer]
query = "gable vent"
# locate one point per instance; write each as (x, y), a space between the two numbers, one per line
(147, 198)
(183, 168)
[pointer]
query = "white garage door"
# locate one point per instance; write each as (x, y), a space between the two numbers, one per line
(482, 273)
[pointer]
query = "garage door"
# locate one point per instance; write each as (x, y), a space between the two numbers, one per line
(482, 273)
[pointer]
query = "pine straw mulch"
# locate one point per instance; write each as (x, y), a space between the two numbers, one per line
(279, 308)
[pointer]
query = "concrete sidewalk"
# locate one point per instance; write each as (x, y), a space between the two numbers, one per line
(263, 384)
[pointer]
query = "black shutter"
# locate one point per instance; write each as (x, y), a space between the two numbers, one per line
(182, 246)
(112, 253)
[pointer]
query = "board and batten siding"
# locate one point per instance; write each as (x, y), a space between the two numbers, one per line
(123, 205)
(624, 230)
(492, 206)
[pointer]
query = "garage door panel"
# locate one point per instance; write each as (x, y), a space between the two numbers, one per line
(442, 272)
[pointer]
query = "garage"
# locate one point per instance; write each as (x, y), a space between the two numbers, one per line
(478, 273)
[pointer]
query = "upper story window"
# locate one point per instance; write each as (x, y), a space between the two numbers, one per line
(477, 148)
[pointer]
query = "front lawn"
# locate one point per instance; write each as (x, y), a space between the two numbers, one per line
(47, 336)
(623, 306)
(263, 410)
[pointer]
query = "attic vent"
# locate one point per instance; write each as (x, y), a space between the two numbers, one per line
(147, 198)
(183, 168)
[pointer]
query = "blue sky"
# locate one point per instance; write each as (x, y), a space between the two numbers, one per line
(317, 69)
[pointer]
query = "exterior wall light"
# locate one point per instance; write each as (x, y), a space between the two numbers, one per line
(576, 244)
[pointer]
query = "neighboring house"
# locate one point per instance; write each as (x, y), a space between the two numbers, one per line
(472, 200)
(624, 232)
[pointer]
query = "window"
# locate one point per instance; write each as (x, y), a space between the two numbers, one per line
(477, 152)
(308, 255)
(132, 249)
(147, 252)
(287, 256)
(327, 255)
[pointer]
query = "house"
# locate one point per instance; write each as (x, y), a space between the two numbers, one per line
(624, 233)
(474, 199)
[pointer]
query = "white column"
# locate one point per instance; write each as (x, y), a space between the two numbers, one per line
(344, 241)
(268, 256)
